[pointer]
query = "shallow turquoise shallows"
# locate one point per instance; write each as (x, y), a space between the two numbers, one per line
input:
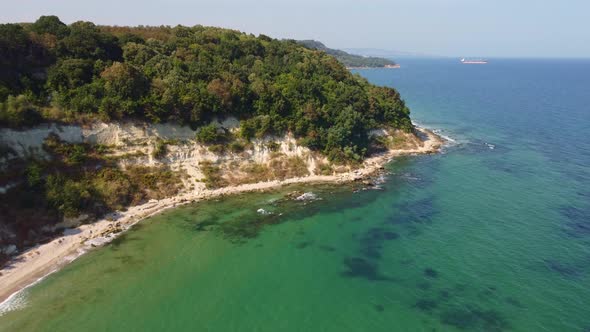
(491, 235)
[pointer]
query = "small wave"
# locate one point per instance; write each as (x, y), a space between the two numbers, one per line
(18, 299)
(445, 137)
(409, 176)
(381, 179)
(14, 302)
(437, 131)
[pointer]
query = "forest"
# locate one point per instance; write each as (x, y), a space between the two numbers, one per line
(82, 72)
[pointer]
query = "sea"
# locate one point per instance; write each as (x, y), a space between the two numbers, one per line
(492, 234)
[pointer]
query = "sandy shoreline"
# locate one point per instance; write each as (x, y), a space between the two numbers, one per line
(41, 260)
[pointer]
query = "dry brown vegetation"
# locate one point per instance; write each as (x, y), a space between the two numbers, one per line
(279, 168)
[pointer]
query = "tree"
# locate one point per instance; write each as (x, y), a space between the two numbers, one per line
(124, 81)
(50, 25)
(70, 74)
(86, 41)
(137, 54)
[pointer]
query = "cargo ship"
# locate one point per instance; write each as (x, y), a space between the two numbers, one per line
(474, 61)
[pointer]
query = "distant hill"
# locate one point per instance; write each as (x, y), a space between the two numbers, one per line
(377, 52)
(347, 59)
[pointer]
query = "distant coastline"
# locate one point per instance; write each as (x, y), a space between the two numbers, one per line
(396, 66)
(350, 60)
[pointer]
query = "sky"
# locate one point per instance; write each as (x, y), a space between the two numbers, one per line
(471, 28)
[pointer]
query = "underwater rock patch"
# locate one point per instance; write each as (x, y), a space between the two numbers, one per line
(473, 318)
(514, 302)
(379, 308)
(565, 270)
(426, 304)
(578, 224)
(430, 273)
(327, 248)
(357, 267)
(303, 244)
(424, 285)
(415, 212)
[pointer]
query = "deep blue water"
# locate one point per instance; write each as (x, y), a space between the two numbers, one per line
(528, 104)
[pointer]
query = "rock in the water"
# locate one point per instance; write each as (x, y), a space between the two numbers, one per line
(306, 197)
(263, 212)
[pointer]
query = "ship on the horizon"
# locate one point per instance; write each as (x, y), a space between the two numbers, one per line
(474, 61)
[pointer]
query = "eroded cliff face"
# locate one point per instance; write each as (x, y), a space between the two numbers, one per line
(129, 164)
(136, 144)
(152, 146)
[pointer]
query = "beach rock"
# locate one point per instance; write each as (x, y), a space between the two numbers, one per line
(306, 197)
(294, 194)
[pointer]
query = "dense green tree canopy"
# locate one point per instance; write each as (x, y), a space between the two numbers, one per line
(190, 75)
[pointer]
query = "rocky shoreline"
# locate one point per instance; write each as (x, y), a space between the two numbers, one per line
(41, 260)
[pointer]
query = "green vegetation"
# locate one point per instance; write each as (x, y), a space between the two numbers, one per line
(212, 173)
(77, 180)
(160, 149)
(210, 134)
(273, 146)
(50, 71)
(324, 169)
(237, 146)
(347, 59)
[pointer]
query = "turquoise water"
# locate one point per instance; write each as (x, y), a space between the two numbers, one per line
(492, 235)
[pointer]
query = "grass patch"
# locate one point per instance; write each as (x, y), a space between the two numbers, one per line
(290, 167)
(213, 177)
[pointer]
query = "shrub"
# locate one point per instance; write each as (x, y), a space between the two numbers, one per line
(212, 173)
(114, 188)
(76, 154)
(71, 154)
(273, 146)
(210, 134)
(68, 196)
(34, 174)
(236, 147)
(324, 169)
(217, 148)
(18, 111)
(160, 149)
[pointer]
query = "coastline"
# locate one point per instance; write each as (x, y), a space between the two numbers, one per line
(33, 265)
(396, 66)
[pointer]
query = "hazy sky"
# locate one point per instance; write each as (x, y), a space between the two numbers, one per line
(519, 28)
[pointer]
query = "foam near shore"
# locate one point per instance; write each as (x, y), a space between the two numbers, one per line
(32, 265)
